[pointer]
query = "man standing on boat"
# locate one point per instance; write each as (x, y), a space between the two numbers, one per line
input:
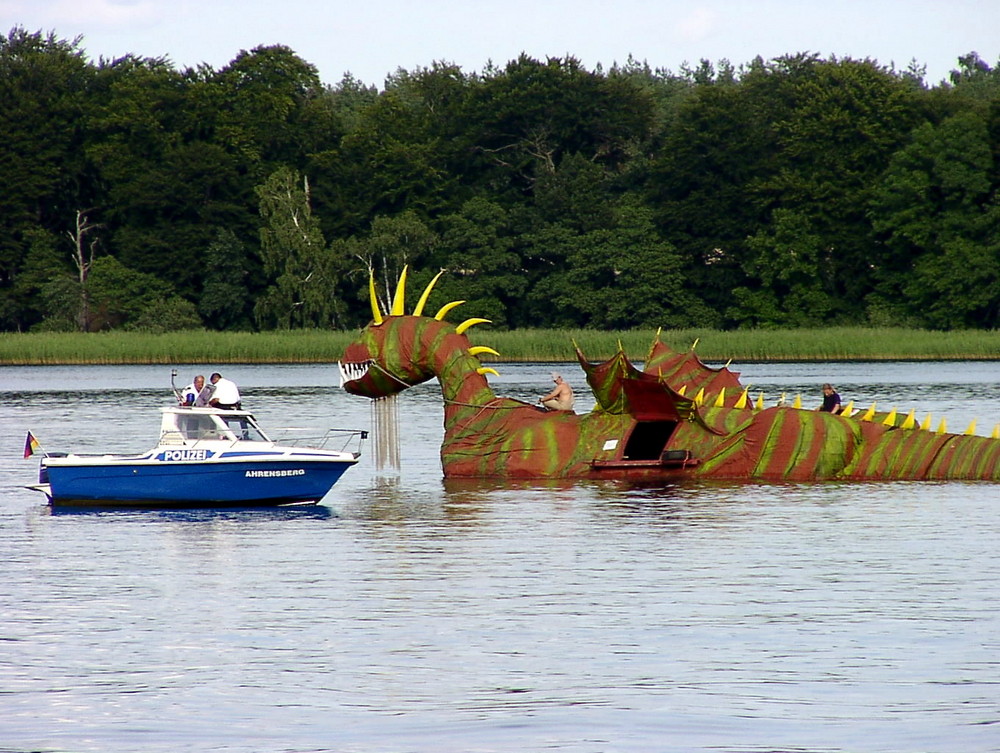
(226, 395)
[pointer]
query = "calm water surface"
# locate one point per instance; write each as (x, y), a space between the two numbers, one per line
(410, 614)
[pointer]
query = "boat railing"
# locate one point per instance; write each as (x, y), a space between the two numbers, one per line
(341, 440)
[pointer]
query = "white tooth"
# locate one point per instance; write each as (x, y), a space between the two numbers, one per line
(350, 372)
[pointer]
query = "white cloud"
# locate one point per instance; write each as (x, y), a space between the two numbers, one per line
(62, 14)
(698, 24)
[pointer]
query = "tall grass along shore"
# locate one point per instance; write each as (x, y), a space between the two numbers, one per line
(323, 346)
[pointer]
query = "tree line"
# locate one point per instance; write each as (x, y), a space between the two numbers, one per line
(799, 191)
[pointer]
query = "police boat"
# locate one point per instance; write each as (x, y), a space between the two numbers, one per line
(205, 457)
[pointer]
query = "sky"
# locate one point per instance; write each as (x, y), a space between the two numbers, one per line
(373, 38)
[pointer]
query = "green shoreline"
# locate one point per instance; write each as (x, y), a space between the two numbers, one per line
(542, 346)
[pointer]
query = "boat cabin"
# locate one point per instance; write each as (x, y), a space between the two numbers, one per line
(186, 426)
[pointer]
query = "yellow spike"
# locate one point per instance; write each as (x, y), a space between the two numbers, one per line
(972, 428)
(760, 401)
(695, 343)
(848, 410)
(699, 399)
(797, 404)
(870, 413)
(925, 425)
(484, 370)
(720, 401)
(682, 389)
(398, 307)
(621, 349)
(909, 422)
(460, 329)
(890, 420)
(478, 350)
(996, 431)
(781, 400)
(942, 427)
(419, 310)
(443, 311)
(728, 363)
(376, 314)
(741, 402)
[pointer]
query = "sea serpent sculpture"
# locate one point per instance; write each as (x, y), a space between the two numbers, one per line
(643, 425)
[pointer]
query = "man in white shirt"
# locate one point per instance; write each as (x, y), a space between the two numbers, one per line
(189, 395)
(226, 395)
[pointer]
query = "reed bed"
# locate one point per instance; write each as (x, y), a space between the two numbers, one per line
(771, 345)
(189, 346)
(324, 346)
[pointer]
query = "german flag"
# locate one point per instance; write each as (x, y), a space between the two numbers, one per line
(30, 445)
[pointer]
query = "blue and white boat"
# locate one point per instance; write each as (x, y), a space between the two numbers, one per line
(205, 457)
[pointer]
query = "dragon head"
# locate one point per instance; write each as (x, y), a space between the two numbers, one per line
(396, 351)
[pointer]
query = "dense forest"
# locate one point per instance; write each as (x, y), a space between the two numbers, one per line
(799, 191)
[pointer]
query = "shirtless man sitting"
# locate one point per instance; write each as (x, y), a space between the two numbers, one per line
(561, 397)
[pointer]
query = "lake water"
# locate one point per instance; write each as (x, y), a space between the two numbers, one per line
(410, 614)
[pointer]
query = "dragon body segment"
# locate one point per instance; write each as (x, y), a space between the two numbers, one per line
(675, 418)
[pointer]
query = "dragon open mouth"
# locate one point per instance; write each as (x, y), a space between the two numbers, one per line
(353, 371)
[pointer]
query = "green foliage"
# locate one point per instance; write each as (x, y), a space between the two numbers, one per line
(306, 273)
(936, 207)
(792, 192)
(114, 296)
(225, 300)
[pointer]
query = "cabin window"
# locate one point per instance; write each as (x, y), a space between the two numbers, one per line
(197, 427)
(647, 440)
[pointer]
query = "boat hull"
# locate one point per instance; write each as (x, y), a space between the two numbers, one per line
(278, 482)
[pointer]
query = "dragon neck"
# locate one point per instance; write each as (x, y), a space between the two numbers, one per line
(438, 350)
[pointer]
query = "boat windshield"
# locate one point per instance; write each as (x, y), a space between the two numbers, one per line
(206, 427)
(244, 429)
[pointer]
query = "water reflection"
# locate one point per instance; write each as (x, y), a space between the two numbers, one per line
(196, 515)
(444, 615)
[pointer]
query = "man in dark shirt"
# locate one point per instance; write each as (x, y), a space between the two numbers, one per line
(831, 400)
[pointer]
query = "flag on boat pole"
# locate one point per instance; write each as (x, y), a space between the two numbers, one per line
(31, 445)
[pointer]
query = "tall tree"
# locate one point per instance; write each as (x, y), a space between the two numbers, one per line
(305, 274)
(937, 208)
(44, 83)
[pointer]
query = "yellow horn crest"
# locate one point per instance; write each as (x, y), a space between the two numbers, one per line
(398, 300)
(460, 329)
(480, 349)
(419, 310)
(443, 311)
(484, 370)
(376, 314)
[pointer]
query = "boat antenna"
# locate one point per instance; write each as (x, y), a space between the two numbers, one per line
(177, 392)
